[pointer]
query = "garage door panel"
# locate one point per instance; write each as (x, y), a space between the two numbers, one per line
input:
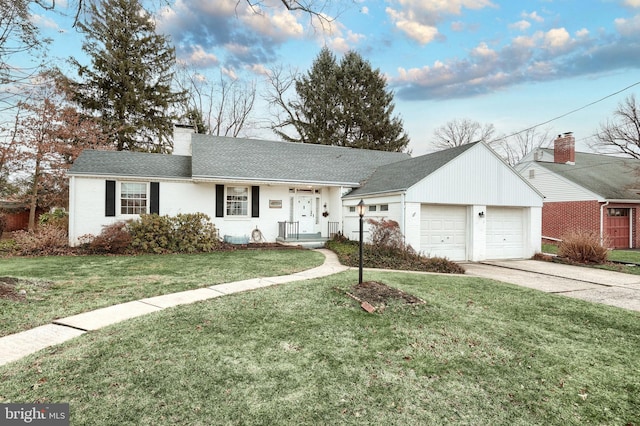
(443, 231)
(505, 233)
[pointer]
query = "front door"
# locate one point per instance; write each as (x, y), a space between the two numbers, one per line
(618, 227)
(305, 213)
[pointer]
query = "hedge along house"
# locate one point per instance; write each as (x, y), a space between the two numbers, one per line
(589, 192)
(464, 203)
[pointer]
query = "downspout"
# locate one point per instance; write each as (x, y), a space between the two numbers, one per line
(602, 221)
(403, 209)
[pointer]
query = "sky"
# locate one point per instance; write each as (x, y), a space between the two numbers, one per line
(562, 65)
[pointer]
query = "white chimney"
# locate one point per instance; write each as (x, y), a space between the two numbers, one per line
(182, 139)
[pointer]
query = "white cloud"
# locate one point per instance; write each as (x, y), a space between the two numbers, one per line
(557, 38)
(628, 27)
(418, 19)
(229, 72)
(259, 69)
(533, 16)
(344, 44)
(44, 22)
(279, 26)
(421, 33)
(632, 3)
(200, 58)
(520, 25)
(364, 10)
(483, 51)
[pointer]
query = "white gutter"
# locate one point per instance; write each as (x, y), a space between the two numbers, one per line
(602, 221)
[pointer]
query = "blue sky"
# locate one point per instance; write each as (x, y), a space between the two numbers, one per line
(513, 64)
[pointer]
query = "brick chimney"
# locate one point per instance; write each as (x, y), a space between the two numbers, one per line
(564, 149)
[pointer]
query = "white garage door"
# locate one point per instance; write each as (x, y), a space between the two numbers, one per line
(505, 233)
(443, 231)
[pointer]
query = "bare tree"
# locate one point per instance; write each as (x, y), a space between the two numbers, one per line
(223, 105)
(513, 148)
(621, 134)
(461, 132)
(280, 87)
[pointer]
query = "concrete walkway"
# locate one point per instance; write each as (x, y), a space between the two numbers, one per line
(16, 346)
(590, 284)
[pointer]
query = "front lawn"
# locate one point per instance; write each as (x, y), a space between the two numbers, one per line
(477, 352)
(59, 286)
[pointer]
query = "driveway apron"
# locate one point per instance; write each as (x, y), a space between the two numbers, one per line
(593, 285)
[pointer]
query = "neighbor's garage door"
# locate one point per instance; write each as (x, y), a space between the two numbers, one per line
(505, 233)
(443, 231)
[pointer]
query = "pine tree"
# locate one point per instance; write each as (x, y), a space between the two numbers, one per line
(347, 104)
(129, 83)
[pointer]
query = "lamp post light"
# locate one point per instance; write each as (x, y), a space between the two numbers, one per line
(360, 209)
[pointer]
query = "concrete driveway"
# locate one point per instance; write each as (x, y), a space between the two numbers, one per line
(593, 285)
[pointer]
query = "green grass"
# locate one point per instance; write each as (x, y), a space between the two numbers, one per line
(478, 352)
(67, 285)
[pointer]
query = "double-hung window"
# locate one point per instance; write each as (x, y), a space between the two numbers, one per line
(237, 201)
(133, 198)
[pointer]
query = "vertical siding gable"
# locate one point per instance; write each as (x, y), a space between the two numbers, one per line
(477, 176)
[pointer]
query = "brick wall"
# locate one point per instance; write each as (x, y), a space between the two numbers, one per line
(560, 217)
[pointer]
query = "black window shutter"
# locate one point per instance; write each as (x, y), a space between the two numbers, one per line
(110, 198)
(154, 208)
(219, 200)
(255, 201)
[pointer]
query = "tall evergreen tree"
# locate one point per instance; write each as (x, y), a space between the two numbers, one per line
(129, 82)
(346, 104)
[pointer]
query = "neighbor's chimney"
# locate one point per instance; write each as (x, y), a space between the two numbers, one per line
(564, 149)
(182, 139)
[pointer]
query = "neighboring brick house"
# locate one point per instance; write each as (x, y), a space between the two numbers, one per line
(593, 192)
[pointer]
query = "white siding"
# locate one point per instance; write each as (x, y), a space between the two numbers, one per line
(351, 226)
(87, 207)
(554, 187)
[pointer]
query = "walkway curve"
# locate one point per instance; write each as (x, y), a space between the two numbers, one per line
(16, 346)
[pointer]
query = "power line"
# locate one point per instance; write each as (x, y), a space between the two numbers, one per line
(570, 112)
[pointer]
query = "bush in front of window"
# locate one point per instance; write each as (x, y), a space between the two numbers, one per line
(184, 233)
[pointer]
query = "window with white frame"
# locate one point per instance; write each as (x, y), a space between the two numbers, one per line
(237, 201)
(133, 198)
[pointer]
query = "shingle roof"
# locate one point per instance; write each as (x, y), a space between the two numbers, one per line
(401, 175)
(613, 178)
(250, 159)
(134, 164)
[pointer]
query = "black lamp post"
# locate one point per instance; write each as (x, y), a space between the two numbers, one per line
(360, 209)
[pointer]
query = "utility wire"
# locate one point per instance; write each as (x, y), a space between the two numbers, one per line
(570, 112)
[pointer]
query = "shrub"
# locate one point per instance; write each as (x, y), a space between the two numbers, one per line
(583, 247)
(184, 233)
(46, 240)
(114, 238)
(151, 233)
(386, 233)
(57, 217)
(390, 258)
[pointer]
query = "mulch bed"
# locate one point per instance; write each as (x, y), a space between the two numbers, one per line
(378, 295)
(8, 289)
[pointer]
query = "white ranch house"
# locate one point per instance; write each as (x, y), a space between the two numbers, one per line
(463, 203)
